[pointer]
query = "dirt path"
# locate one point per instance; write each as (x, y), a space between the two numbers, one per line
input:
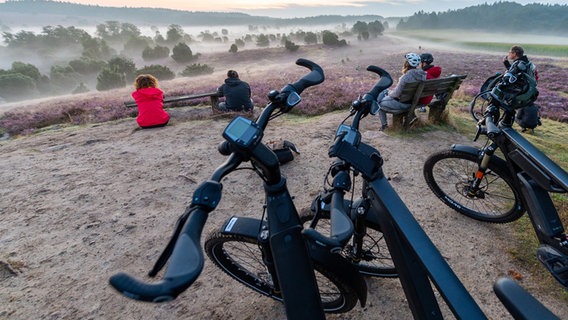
(80, 204)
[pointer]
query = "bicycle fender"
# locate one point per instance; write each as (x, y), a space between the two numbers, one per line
(475, 151)
(341, 268)
(242, 226)
(465, 148)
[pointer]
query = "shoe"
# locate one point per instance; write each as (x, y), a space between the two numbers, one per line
(384, 127)
(422, 109)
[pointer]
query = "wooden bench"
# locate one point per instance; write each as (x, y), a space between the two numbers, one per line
(442, 90)
(214, 96)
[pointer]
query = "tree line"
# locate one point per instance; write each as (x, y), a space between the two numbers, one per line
(108, 55)
(499, 16)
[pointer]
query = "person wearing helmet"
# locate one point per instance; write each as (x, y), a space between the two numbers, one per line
(389, 99)
(432, 72)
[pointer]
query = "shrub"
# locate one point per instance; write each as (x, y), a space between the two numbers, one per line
(196, 69)
(63, 78)
(234, 48)
(155, 53)
(109, 79)
(182, 53)
(158, 71)
(87, 66)
(14, 86)
(291, 46)
(123, 66)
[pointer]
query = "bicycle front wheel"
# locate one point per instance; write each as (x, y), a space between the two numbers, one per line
(241, 258)
(450, 173)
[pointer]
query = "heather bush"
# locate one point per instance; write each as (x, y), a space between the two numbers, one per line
(196, 69)
(160, 72)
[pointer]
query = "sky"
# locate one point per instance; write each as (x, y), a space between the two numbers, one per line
(306, 8)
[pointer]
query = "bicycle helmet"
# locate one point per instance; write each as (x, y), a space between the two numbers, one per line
(515, 91)
(427, 58)
(413, 59)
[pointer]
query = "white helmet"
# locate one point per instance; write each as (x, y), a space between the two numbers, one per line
(413, 59)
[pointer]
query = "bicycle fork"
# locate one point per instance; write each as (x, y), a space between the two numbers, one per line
(474, 191)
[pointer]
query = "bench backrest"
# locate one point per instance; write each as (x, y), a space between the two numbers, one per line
(415, 90)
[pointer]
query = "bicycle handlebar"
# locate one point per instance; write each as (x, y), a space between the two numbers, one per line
(187, 263)
(187, 258)
(384, 82)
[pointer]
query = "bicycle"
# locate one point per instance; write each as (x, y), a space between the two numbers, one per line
(285, 258)
(417, 262)
(500, 188)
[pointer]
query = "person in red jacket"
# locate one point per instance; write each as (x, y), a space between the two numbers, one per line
(432, 72)
(149, 99)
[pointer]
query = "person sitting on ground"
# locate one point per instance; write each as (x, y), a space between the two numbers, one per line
(236, 92)
(150, 101)
(388, 99)
(432, 72)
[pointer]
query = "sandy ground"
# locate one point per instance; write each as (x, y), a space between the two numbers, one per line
(79, 204)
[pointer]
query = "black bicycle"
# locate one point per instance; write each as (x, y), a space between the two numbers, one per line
(367, 248)
(269, 255)
(499, 187)
(417, 262)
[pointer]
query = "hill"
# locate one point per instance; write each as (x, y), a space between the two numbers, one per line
(46, 12)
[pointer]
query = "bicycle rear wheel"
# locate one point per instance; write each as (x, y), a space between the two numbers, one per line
(449, 175)
(241, 258)
(375, 259)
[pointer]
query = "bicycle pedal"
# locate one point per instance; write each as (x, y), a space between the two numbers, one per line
(555, 262)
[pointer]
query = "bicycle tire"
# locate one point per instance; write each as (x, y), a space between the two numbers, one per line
(448, 173)
(240, 257)
(377, 261)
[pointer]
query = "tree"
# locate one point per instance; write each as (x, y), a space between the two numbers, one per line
(291, 46)
(182, 53)
(158, 71)
(14, 86)
(155, 53)
(175, 33)
(62, 78)
(262, 40)
(311, 38)
(240, 43)
(331, 39)
(87, 66)
(109, 79)
(234, 48)
(26, 69)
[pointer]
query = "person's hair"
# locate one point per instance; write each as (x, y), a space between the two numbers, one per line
(519, 52)
(406, 67)
(145, 81)
(232, 74)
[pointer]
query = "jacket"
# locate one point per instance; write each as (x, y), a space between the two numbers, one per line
(150, 107)
(432, 72)
(412, 75)
(237, 94)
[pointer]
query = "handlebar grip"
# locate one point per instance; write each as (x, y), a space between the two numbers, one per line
(341, 224)
(185, 266)
(315, 77)
(492, 129)
(385, 81)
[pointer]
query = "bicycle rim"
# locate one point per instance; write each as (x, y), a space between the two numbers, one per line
(449, 175)
(241, 258)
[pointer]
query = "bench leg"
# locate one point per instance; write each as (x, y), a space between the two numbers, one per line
(214, 102)
(437, 113)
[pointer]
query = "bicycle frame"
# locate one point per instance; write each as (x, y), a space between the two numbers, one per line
(535, 175)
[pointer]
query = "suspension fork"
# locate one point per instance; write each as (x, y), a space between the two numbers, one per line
(484, 159)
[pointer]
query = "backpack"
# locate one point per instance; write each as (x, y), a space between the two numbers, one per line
(528, 117)
(283, 150)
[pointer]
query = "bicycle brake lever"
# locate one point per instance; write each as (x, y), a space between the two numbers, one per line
(165, 256)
